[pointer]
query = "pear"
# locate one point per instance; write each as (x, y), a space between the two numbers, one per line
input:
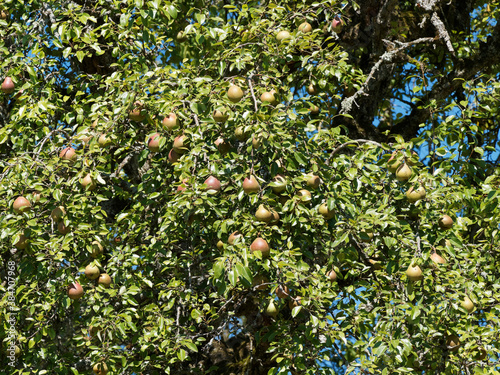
(311, 89)
(137, 114)
(332, 276)
(275, 218)
(97, 249)
(294, 302)
(282, 291)
(403, 173)
(305, 27)
(235, 93)
(453, 342)
(8, 86)
(314, 110)
(21, 204)
(337, 24)
(259, 244)
(219, 116)
(414, 195)
(213, 185)
(263, 214)
(438, 259)
(283, 35)
(467, 304)
(260, 282)
(445, 222)
(414, 273)
(279, 184)
(327, 214)
(313, 181)
(171, 122)
(179, 145)
(271, 310)
(393, 163)
(222, 145)
(220, 245)
(241, 134)
(304, 195)
(268, 97)
(251, 185)
(92, 271)
(232, 237)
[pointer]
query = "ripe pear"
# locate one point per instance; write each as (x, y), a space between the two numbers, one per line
(232, 237)
(393, 163)
(213, 185)
(62, 228)
(58, 213)
(314, 110)
(414, 195)
(327, 214)
(260, 282)
(275, 218)
(21, 204)
(256, 141)
(283, 35)
(104, 279)
(235, 93)
(294, 302)
(263, 214)
(222, 145)
(179, 145)
(337, 24)
(438, 259)
(251, 185)
(100, 368)
(268, 97)
(313, 181)
(220, 245)
(259, 244)
(332, 276)
(304, 195)
(22, 243)
(311, 89)
(92, 271)
(467, 304)
(154, 142)
(68, 154)
(282, 291)
(219, 116)
(104, 140)
(173, 156)
(414, 273)
(137, 114)
(241, 134)
(403, 173)
(88, 182)
(445, 222)
(171, 122)
(8, 85)
(75, 290)
(305, 27)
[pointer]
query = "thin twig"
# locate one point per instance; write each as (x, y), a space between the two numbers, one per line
(252, 92)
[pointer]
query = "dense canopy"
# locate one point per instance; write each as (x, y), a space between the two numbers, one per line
(256, 187)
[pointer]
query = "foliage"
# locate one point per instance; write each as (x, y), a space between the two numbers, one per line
(398, 77)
